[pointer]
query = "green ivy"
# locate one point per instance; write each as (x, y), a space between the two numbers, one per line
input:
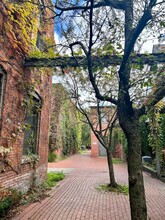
(118, 137)
(79, 129)
(162, 129)
(52, 157)
(154, 126)
(144, 132)
(146, 140)
(86, 137)
(71, 130)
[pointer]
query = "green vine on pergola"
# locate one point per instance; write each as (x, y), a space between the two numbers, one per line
(101, 61)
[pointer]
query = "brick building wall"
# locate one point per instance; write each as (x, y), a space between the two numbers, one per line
(95, 143)
(96, 148)
(58, 97)
(66, 126)
(18, 82)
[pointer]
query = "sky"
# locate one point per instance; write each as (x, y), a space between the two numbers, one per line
(147, 46)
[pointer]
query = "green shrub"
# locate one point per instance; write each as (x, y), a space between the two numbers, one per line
(53, 178)
(52, 157)
(5, 205)
(38, 193)
(9, 198)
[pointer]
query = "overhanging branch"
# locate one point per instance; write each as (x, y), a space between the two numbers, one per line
(117, 4)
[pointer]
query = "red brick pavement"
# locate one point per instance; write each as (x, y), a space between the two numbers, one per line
(76, 197)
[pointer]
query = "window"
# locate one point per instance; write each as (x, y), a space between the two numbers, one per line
(32, 124)
(2, 87)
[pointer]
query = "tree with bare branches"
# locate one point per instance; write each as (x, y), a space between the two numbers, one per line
(99, 115)
(117, 27)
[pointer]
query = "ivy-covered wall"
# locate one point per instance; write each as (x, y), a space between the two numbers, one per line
(66, 124)
(23, 29)
(148, 148)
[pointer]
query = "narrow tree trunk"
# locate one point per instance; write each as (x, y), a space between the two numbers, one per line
(111, 169)
(136, 184)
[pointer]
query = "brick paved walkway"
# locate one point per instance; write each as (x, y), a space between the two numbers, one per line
(76, 197)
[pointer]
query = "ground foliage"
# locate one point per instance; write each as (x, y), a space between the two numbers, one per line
(12, 199)
(119, 189)
(66, 124)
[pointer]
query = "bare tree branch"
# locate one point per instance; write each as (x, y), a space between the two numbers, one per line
(80, 44)
(112, 3)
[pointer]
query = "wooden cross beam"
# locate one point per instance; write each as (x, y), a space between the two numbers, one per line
(101, 61)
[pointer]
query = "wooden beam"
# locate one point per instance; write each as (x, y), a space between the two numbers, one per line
(102, 61)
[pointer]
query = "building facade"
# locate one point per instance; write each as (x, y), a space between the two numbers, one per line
(24, 94)
(66, 124)
(102, 119)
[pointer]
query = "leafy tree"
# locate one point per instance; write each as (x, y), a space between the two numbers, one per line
(98, 27)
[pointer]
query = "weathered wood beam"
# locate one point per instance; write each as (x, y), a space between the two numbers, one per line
(102, 61)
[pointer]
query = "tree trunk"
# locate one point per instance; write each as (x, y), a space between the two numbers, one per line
(111, 169)
(136, 184)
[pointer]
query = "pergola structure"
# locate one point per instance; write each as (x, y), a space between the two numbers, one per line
(102, 61)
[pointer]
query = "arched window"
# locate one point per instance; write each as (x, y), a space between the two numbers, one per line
(2, 88)
(32, 124)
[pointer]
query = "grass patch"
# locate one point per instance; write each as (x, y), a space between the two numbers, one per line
(119, 189)
(116, 160)
(53, 178)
